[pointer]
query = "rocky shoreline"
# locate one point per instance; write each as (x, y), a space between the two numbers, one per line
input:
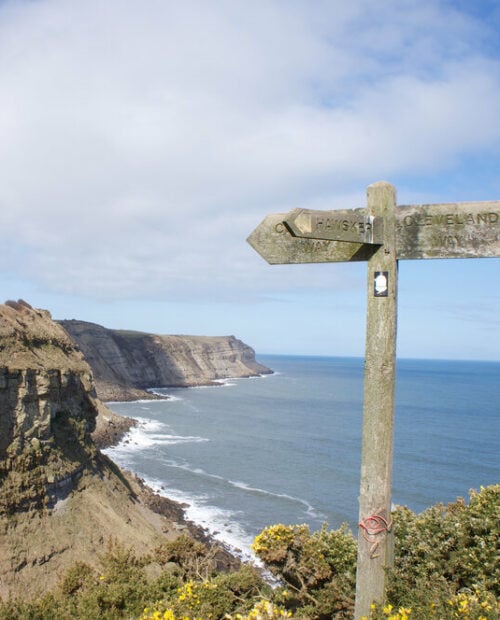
(223, 558)
(112, 428)
(61, 499)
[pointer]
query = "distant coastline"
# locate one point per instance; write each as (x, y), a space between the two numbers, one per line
(126, 364)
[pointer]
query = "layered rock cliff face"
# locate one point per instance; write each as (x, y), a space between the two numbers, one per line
(60, 499)
(47, 409)
(124, 363)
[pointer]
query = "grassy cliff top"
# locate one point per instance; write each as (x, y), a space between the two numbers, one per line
(29, 338)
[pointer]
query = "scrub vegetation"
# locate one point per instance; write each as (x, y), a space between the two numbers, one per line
(447, 565)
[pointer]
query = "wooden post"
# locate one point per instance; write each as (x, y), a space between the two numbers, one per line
(375, 538)
(380, 234)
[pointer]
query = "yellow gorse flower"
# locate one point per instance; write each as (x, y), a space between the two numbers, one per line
(263, 610)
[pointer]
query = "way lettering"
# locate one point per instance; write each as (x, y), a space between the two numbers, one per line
(456, 230)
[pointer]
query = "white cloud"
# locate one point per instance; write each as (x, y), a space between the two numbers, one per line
(142, 141)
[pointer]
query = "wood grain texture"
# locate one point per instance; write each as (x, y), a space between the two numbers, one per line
(374, 550)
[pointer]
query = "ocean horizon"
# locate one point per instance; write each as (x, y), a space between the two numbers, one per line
(286, 447)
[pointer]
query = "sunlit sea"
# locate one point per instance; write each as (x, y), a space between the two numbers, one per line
(286, 447)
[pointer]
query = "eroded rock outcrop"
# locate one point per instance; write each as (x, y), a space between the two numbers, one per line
(125, 363)
(61, 500)
(47, 409)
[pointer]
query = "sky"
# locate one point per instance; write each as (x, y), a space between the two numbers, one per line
(141, 142)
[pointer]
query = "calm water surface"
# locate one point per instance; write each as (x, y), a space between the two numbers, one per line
(286, 447)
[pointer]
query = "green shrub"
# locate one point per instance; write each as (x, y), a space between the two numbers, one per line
(446, 550)
(467, 605)
(120, 589)
(195, 560)
(218, 597)
(447, 565)
(318, 569)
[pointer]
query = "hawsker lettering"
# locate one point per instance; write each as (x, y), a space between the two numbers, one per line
(361, 226)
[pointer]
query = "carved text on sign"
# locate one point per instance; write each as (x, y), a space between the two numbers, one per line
(459, 230)
(380, 234)
(451, 219)
(359, 227)
(454, 230)
(355, 225)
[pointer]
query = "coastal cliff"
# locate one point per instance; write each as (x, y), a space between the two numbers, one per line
(61, 500)
(125, 363)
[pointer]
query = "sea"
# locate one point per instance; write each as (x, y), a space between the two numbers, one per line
(286, 447)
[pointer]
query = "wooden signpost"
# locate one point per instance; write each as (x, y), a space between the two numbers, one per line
(381, 234)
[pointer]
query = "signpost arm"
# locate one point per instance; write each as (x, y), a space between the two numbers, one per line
(375, 538)
(455, 230)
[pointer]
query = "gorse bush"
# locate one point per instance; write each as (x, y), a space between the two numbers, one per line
(467, 605)
(447, 566)
(448, 558)
(318, 569)
(220, 596)
(262, 610)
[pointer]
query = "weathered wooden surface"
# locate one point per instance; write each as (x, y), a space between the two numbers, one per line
(455, 230)
(355, 225)
(275, 243)
(375, 538)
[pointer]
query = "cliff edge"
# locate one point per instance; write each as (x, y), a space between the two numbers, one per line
(125, 363)
(61, 500)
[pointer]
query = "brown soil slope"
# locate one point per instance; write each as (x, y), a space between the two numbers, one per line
(60, 499)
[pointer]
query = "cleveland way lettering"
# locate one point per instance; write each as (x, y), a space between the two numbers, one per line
(452, 219)
(457, 230)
